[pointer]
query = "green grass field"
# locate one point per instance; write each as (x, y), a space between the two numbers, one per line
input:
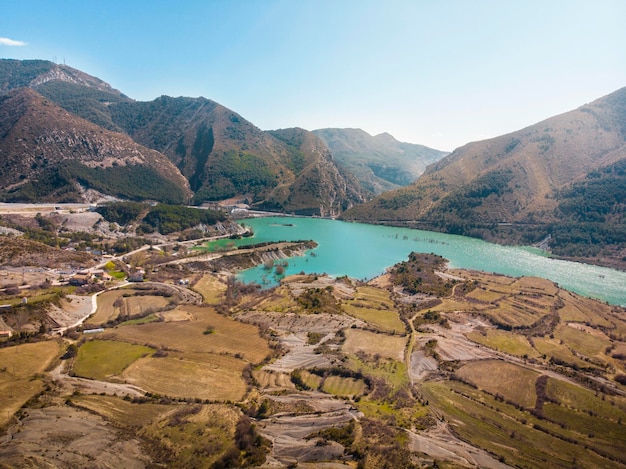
(347, 387)
(104, 359)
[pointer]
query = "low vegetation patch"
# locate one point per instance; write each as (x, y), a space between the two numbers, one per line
(417, 275)
(104, 359)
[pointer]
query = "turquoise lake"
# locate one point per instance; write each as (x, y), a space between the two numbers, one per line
(364, 251)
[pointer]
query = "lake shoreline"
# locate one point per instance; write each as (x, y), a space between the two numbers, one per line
(364, 251)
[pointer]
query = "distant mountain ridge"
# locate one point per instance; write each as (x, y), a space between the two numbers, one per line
(380, 163)
(519, 187)
(221, 154)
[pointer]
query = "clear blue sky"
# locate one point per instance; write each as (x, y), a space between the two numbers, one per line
(436, 72)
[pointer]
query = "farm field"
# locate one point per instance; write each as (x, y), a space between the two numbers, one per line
(121, 302)
(211, 288)
(372, 343)
(228, 336)
(553, 349)
(322, 372)
(513, 382)
(347, 387)
(520, 438)
(20, 366)
(190, 375)
(121, 411)
(508, 342)
(374, 306)
(107, 359)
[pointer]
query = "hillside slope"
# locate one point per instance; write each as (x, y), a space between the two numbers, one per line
(220, 153)
(75, 91)
(48, 154)
(518, 187)
(223, 156)
(318, 178)
(380, 163)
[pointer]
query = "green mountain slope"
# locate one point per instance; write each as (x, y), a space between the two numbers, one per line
(221, 154)
(380, 163)
(526, 185)
(48, 154)
(75, 91)
(225, 156)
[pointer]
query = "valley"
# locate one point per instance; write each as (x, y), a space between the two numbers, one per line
(317, 371)
(155, 313)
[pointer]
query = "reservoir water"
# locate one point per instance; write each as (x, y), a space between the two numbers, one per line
(364, 251)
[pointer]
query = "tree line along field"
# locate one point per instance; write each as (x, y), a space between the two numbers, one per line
(519, 368)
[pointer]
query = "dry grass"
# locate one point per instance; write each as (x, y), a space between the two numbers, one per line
(552, 348)
(211, 288)
(106, 311)
(270, 379)
(312, 380)
(120, 411)
(228, 336)
(384, 319)
(451, 305)
(508, 342)
(132, 305)
(200, 375)
(579, 309)
(371, 343)
(582, 342)
(535, 285)
(485, 296)
(514, 382)
(18, 367)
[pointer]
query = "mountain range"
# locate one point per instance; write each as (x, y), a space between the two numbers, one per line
(563, 178)
(68, 136)
(205, 151)
(219, 154)
(380, 163)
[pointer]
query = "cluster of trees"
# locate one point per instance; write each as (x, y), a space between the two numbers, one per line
(121, 213)
(129, 182)
(319, 300)
(171, 218)
(163, 218)
(599, 198)
(59, 184)
(417, 275)
(236, 173)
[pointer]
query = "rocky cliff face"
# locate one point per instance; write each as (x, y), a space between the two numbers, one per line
(321, 187)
